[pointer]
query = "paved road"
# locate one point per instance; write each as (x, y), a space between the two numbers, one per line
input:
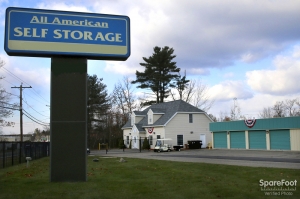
(253, 158)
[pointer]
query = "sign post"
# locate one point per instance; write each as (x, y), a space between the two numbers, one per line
(69, 39)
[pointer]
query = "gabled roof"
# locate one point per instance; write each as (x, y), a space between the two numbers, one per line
(169, 109)
(139, 113)
(158, 110)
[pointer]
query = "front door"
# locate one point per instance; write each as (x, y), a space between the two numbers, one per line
(203, 139)
(135, 143)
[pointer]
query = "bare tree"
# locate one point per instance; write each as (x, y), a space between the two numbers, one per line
(195, 93)
(213, 117)
(223, 116)
(266, 113)
(291, 107)
(279, 109)
(123, 97)
(5, 107)
(298, 107)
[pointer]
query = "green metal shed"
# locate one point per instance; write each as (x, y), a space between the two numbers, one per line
(262, 134)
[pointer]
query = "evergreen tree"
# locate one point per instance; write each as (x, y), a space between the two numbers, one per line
(160, 70)
(97, 105)
(146, 144)
(121, 144)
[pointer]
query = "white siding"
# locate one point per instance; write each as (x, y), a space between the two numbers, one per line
(138, 119)
(295, 139)
(179, 125)
(158, 131)
(125, 134)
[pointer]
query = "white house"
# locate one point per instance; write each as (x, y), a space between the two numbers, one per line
(177, 120)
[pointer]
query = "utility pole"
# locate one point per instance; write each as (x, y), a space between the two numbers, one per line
(21, 111)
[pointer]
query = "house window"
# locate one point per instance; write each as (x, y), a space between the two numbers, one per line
(127, 139)
(150, 140)
(158, 136)
(150, 120)
(179, 139)
(191, 118)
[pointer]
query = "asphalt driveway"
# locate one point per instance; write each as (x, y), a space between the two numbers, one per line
(253, 158)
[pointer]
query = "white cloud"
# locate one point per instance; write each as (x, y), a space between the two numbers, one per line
(228, 90)
(198, 71)
(283, 80)
(120, 68)
(52, 5)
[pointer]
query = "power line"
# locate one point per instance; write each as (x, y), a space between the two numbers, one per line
(9, 108)
(34, 98)
(22, 81)
(40, 96)
(33, 117)
(34, 109)
(13, 75)
(8, 81)
(11, 94)
(35, 121)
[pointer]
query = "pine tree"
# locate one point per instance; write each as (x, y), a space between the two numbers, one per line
(160, 70)
(97, 105)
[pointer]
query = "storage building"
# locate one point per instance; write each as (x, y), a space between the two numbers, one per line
(262, 134)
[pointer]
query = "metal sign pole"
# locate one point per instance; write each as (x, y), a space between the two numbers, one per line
(68, 119)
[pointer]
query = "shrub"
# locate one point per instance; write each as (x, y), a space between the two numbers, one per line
(146, 144)
(121, 144)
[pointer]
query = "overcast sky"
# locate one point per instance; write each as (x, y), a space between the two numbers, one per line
(246, 49)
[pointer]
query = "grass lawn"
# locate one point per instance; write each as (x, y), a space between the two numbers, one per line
(140, 178)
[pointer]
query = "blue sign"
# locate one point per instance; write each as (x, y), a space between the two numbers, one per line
(48, 33)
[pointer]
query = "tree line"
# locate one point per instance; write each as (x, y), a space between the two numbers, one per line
(286, 108)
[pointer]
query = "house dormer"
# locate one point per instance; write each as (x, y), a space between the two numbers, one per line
(150, 116)
(154, 115)
(136, 117)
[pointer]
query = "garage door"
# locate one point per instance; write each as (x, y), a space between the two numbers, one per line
(280, 140)
(237, 140)
(257, 140)
(220, 140)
